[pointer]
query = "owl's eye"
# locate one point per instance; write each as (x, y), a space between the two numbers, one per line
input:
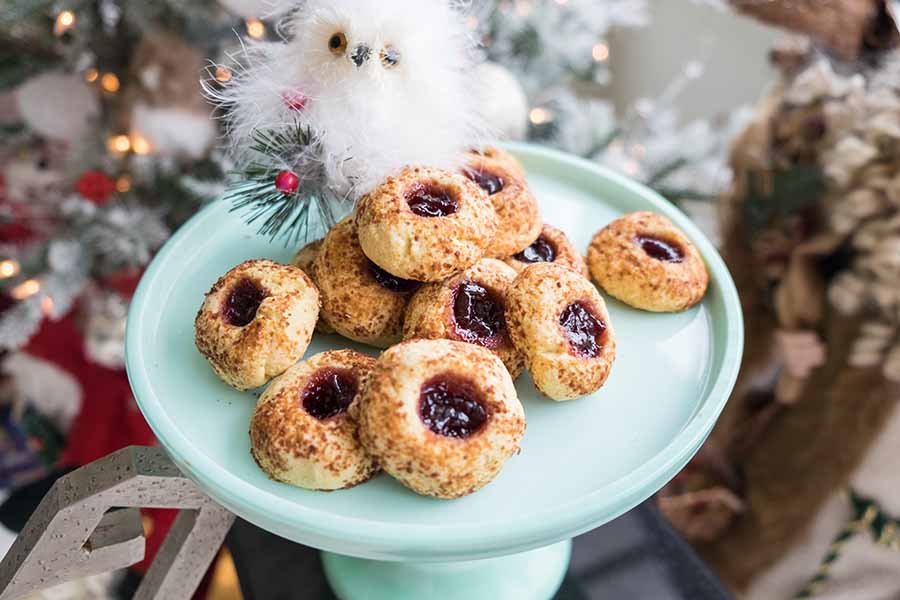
(390, 57)
(337, 43)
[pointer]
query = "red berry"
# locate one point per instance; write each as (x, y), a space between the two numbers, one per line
(287, 182)
(295, 100)
(95, 186)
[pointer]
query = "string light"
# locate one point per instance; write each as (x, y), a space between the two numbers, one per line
(119, 143)
(223, 74)
(600, 52)
(540, 116)
(472, 22)
(9, 268)
(110, 83)
(47, 306)
(523, 8)
(26, 289)
(255, 29)
(123, 184)
(140, 145)
(91, 75)
(64, 22)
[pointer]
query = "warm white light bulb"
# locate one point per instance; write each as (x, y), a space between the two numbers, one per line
(26, 289)
(255, 29)
(64, 22)
(9, 268)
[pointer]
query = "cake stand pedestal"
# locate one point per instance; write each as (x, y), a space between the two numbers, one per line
(534, 575)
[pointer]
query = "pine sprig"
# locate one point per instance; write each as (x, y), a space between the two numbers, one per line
(286, 214)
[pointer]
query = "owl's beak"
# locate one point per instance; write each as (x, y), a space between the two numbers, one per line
(360, 55)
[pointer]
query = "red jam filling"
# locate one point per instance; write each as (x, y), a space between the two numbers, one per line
(489, 182)
(329, 393)
(431, 201)
(478, 314)
(584, 330)
(450, 407)
(540, 251)
(243, 302)
(660, 249)
(393, 283)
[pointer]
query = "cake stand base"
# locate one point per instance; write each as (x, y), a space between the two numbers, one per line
(534, 575)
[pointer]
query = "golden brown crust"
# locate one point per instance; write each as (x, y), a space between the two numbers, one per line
(353, 302)
(247, 357)
(518, 214)
(304, 260)
(296, 448)
(425, 248)
(306, 256)
(392, 429)
(628, 273)
(430, 314)
(497, 155)
(566, 254)
(534, 303)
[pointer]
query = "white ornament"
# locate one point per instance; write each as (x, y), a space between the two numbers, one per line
(174, 131)
(380, 85)
(53, 391)
(57, 105)
(503, 102)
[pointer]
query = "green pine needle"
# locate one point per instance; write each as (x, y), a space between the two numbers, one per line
(280, 214)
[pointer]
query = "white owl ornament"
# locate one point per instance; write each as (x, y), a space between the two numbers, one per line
(358, 90)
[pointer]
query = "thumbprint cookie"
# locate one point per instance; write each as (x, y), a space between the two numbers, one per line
(498, 155)
(468, 307)
(306, 256)
(360, 300)
(440, 416)
(646, 262)
(518, 215)
(304, 260)
(302, 432)
(552, 246)
(426, 224)
(559, 322)
(257, 321)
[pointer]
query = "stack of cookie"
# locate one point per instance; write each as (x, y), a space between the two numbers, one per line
(457, 275)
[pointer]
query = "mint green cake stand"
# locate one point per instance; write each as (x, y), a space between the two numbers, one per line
(583, 463)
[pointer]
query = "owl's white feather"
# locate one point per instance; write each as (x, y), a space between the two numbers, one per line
(370, 117)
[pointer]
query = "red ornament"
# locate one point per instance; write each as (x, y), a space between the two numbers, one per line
(295, 100)
(287, 182)
(95, 186)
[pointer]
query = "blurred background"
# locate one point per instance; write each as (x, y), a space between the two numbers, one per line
(774, 124)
